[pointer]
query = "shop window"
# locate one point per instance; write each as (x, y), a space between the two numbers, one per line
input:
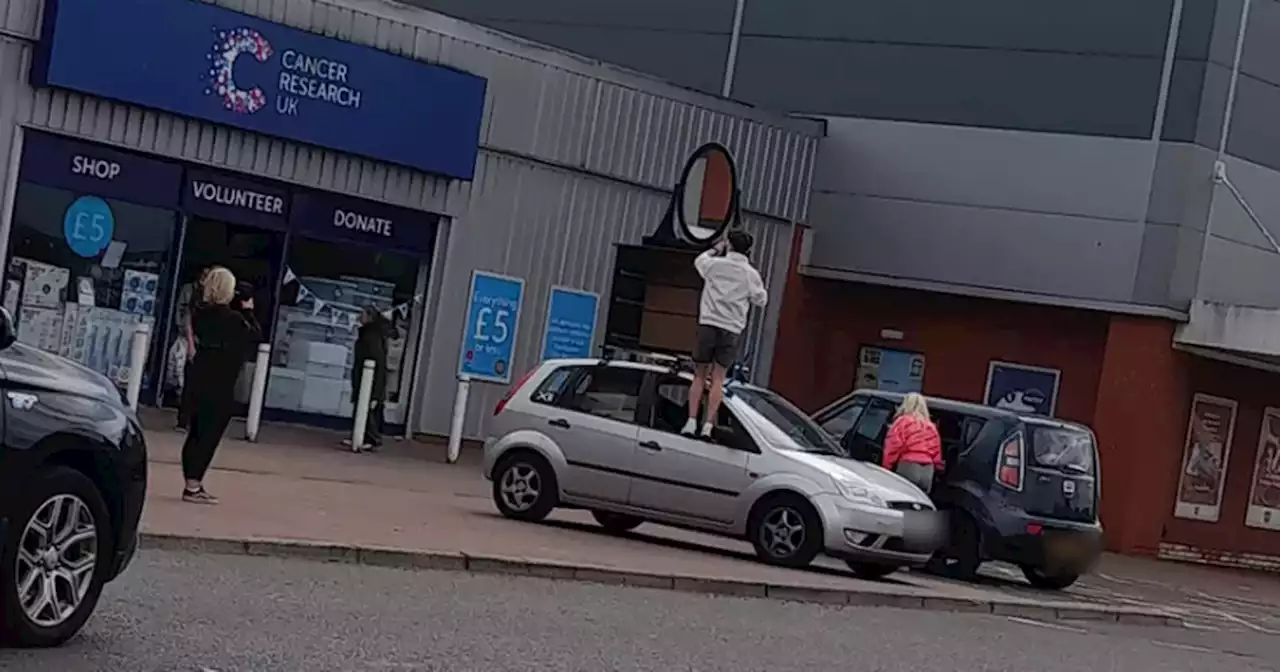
(83, 272)
(313, 351)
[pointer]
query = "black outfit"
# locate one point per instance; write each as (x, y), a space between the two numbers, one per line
(224, 338)
(371, 343)
(715, 345)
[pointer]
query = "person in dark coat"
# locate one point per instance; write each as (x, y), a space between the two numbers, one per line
(372, 343)
(225, 333)
(187, 400)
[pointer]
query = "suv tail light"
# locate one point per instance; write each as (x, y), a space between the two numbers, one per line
(502, 403)
(1009, 467)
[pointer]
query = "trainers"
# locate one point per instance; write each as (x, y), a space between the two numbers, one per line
(706, 430)
(200, 496)
(690, 427)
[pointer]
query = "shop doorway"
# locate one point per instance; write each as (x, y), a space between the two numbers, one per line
(255, 255)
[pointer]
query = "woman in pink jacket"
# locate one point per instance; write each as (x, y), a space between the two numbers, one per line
(913, 448)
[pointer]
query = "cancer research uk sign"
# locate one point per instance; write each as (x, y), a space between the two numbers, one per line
(206, 62)
(493, 320)
(571, 324)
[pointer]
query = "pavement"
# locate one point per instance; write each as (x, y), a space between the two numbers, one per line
(406, 507)
(182, 612)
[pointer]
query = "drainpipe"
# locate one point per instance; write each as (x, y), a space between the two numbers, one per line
(734, 38)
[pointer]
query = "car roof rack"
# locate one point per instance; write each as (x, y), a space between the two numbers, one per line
(675, 363)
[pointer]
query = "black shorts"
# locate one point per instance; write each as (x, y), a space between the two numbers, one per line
(715, 345)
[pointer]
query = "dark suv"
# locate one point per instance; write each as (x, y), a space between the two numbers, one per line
(1021, 488)
(73, 477)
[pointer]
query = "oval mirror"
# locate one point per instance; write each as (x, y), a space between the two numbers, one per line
(707, 196)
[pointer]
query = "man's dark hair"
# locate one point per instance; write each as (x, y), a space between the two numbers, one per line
(740, 241)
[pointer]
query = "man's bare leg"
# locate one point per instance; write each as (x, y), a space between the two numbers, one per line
(695, 398)
(714, 397)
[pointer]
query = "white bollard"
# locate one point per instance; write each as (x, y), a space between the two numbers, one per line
(137, 363)
(361, 409)
(258, 392)
(459, 417)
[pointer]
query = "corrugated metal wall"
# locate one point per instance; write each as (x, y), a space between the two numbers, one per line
(576, 157)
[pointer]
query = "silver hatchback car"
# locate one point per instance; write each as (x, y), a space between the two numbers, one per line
(603, 435)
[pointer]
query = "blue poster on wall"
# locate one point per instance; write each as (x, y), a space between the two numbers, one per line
(493, 319)
(571, 324)
(1022, 388)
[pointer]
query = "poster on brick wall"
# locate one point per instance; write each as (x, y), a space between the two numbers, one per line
(1204, 458)
(1264, 490)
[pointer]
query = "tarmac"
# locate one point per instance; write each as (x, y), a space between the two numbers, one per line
(296, 493)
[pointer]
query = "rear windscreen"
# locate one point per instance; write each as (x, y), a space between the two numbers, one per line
(1063, 448)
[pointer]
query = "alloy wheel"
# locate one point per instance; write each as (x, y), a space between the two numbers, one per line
(783, 532)
(521, 486)
(57, 555)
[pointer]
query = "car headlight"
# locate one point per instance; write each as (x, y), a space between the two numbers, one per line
(856, 492)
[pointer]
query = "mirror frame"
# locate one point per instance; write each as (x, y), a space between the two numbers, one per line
(681, 226)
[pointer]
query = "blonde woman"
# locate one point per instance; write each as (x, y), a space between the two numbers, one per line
(225, 333)
(913, 448)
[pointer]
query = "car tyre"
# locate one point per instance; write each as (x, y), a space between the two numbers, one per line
(870, 571)
(525, 486)
(616, 523)
(59, 518)
(1041, 581)
(785, 530)
(964, 549)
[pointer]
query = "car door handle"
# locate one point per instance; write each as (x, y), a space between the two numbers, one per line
(651, 445)
(559, 422)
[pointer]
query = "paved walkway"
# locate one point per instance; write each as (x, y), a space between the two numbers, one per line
(299, 485)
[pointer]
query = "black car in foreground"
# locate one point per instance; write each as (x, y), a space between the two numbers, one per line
(1019, 488)
(73, 478)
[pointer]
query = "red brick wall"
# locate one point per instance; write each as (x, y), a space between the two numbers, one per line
(1253, 390)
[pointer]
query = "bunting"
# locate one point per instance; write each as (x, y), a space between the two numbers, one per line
(340, 317)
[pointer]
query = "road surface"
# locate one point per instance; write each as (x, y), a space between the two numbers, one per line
(180, 612)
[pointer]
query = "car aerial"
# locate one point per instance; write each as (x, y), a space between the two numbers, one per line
(1018, 487)
(603, 435)
(73, 477)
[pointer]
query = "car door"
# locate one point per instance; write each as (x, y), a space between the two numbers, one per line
(839, 422)
(695, 480)
(865, 442)
(594, 424)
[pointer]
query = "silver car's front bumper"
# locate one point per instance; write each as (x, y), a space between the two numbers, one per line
(864, 533)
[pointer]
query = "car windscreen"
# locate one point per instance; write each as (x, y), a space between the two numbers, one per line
(783, 423)
(1066, 448)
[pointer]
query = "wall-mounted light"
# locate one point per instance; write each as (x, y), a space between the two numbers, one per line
(892, 335)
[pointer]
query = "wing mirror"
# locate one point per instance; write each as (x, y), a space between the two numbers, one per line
(8, 330)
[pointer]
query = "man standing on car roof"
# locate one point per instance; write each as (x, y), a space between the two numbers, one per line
(730, 286)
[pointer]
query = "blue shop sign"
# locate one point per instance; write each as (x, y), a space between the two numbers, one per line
(232, 198)
(206, 62)
(88, 225)
(1022, 389)
(58, 162)
(489, 335)
(350, 220)
(571, 324)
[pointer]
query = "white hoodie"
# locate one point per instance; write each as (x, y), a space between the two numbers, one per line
(729, 283)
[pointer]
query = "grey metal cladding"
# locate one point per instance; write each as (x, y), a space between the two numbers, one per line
(1089, 67)
(1253, 135)
(682, 41)
(1048, 214)
(1187, 86)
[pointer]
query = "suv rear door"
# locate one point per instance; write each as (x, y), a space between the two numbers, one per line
(1061, 472)
(592, 419)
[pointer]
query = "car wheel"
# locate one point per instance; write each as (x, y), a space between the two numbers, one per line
(1038, 579)
(870, 570)
(785, 530)
(524, 486)
(964, 551)
(55, 559)
(616, 522)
